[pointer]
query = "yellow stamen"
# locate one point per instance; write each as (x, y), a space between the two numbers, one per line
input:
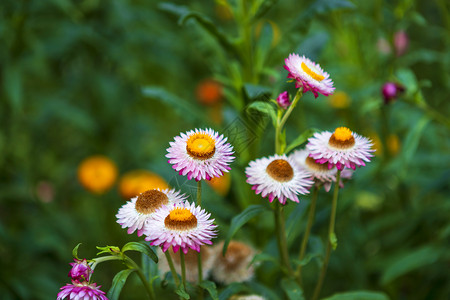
(311, 73)
(342, 138)
(200, 146)
(180, 219)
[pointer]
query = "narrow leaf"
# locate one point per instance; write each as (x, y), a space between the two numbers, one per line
(182, 293)
(292, 290)
(118, 283)
(359, 295)
(303, 137)
(211, 288)
(140, 247)
(241, 219)
(75, 251)
(264, 107)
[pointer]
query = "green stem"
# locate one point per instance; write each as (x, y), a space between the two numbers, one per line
(281, 237)
(148, 285)
(297, 97)
(312, 210)
(331, 241)
(199, 256)
(103, 259)
(183, 269)
(279, 148)
(172, 269)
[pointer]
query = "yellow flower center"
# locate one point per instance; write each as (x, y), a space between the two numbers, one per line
(312, 73)
(149, 201)
(311, 163)
(280, 170)
(342, 138)
(200, 146)
(180, 219)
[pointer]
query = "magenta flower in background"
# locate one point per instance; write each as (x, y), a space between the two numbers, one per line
(401, 42)
(80, 270)
(81, 291)
(391, 90)
(308, 75)
(283, 100)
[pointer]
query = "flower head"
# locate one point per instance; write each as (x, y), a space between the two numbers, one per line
(283, 100)
(343, 148)
(80, 270)
(200, 154)
(391, 90)
(135, 213)
(278, 177)
(181, 225)
(81, 290)
(209, 92)
(320, 173)
(97, 173)
(308, 75)
(234, 266)
(138, 181)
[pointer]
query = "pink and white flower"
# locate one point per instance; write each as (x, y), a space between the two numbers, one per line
(81, 291)
(278, 177)
(342, 148)
(200, 154)
(181, 225)
(135, 213)
(308, 75)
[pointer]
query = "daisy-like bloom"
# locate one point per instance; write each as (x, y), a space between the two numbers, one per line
(321, 174)
(308, 75)
(191, 261)
(80, 270)
(200, 154)
(278, 177)
(343, 148)
(79, 291)
(234, 266)
(181, 225)
(134, 214)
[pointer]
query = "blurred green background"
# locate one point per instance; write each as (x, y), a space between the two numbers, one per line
(121, 78)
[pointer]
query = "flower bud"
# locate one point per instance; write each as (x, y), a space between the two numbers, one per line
(283, 100)
(401, 42)
(80, 271)
(391, 90)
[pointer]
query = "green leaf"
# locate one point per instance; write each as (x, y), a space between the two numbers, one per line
(211, 288)
(182, 293)
(263, 9)
(411, 260)
(303, 137)
(185, 14)
(256, 92)
(333, 240)
(232, 289)
(181, 106)
(118, 283)
(261, 257)
(308, 257)
(408, 79)
(75, 251)
(264, 107)
(359, 295)
(114, 250)
(140, 247)
(292, 290)
(241, 219)
(412, 140)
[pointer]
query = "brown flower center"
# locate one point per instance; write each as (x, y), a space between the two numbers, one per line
(237, 256)
(342, 138)
(311, 163)
(280, 170)
(149, 201)
(180, 219)
(201, 146)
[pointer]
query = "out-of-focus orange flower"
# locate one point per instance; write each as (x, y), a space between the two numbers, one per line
(221, 184)
(97, 173)
(393, 144)
(137, 181)
(339, 100)
(377, 145)
(209, 92)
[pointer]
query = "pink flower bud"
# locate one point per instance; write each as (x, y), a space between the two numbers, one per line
(401, 42)
(81, 271)
(283, 100)
(390, 91)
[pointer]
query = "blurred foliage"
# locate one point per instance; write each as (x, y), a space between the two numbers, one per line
(118, 78)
